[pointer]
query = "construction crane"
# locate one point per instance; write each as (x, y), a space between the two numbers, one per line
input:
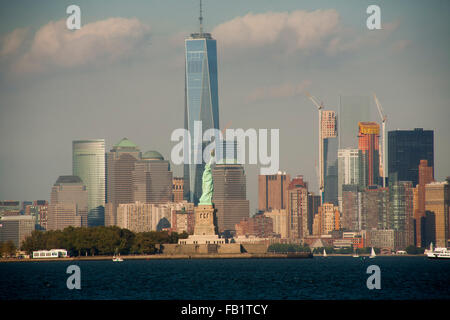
(383, 128)
(321, 173)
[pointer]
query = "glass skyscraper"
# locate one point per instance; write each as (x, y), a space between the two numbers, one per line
(405, 150)
(88, 163)
(201, 103)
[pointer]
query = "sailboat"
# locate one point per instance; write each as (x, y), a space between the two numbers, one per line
(372, 254)
(324, 253)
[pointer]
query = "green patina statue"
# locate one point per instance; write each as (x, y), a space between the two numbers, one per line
(207, 184)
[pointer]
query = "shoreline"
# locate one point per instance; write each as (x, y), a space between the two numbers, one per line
(197, 256)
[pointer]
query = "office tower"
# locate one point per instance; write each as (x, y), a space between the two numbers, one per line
(401, 211)
(201, 103)
(313, 209)
(330, 150)
(327, 219)
(368, 144)
(375, 205)
(351, 207)
(406, 148)
(280, 220)
(348, 169)
(152, 179)
(88, 163)
(68, 204)
(16, 228)
(425, 176)
(177, 189)
(120, 163)
(437, 204)
(298, 208)
(352, 109)
(273, 191)
(230, 195)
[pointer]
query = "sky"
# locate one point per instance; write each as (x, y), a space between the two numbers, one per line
(122, 75)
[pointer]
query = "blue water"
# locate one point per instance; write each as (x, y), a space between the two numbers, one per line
(227, 279)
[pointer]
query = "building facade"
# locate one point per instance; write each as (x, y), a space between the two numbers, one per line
(437, 204)
(349, 162)
(406, 148)
(152, 179)
(421, 237)
(178, 189)
(230, 196)
(88, 163)
(68, 204)
(120, 162)
(298, 208)
(280, 219)
(368, 144)
(201, 104)
(273, 191)
(16, 228)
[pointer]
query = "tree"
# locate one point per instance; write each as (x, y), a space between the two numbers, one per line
(7, 248)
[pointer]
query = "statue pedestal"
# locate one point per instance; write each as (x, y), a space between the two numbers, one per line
(204, 229)
(204, 220)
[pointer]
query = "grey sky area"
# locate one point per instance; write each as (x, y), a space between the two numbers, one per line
(122, 75)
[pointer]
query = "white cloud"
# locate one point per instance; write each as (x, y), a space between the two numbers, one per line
(295, 30)
(299, 32)
(103, 41)
(12, 42)
(284, 90)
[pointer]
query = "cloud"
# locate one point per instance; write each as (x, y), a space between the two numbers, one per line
(294, 31)
(284, 90)
(103, 41)
(297, 32)
(12, 42)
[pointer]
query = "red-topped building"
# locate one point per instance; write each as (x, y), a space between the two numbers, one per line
(368, 143)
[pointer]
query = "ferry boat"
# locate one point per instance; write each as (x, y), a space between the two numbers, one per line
(49, 254)
(438, 253)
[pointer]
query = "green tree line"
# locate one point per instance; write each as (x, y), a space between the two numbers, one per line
(99, 241)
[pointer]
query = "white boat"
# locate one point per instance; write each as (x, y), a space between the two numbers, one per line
(372, 254)
(324, 253)
(438, 253)
(117, 259)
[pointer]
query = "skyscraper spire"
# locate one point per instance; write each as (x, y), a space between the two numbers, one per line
(201, 19)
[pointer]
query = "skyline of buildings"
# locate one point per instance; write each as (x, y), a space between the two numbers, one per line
(135, 190)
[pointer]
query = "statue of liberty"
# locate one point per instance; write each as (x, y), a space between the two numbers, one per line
(207, 184)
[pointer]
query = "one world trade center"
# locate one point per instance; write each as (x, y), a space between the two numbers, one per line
(201, 102)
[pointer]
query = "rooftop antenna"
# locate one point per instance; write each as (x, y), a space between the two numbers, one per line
(201, 19)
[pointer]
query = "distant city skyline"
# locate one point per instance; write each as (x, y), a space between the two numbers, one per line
(56, 88)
